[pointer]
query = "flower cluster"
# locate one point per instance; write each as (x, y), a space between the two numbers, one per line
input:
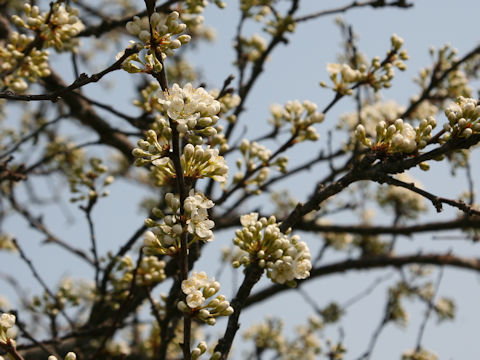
(198, 289)
(164, 28)
(253, 47)
(342, 76)
(191, 108)
(378, 75)
(268, 335)
(17, 67)
(57, 28)
(164, 237)
(64, 154)
(6, 242)
(445, 308)
(161, 41)
(6, 323)
(404, 202)
(263, 8)
(463, 118)
(154, 147)
(336, 240)
(256, 156)
(151, 271)
(285, 258)
(196, 207)
(228, 102)
(23, 58)
(301, 116)
(252, 151)
(454, 84)
(197, 162)
(79, 177)
(180, 70)
(420, 354)
(70, 292)
(149, 100)
(280, 24)
(69, 356)
(199, 350)
(399, 137)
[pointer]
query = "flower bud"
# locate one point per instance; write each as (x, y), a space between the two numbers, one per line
(70, 356)
(182, 306)
(155, 19)
(144, 35)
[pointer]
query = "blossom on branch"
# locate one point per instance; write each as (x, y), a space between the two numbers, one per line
(285, 258)
(190, 108)
(198, 288)
(164, 236)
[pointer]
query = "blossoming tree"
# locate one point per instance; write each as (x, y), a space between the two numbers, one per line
(183, 147)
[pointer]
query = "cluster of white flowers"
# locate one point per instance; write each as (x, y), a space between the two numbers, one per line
(164, 237)
(57, 27)
(191, 108)
(398, 137)
(252, 151)
(343, 75)
(92, 181)
(198, 289)
(421, 354)
(199, 350)
(456, 82)
(197, 162)
(6, 242)
(338, 241)
(69, 356)
(22, 60)
(70, 293)
(280, 24)
(253, 47)
(407, 203)
(7, 321)
(164, 29)
(301, 116)
(160, 43)
(285, 258)
(228, 102)
(151, 271)
(445, 308)
(193, 120)
(256, 156)
(18, 67)
(196, 207)
(463, 118)
(268, 335)
(154, 147)
(423, 110)
(378, 75)
(247, 7)
(149, 100)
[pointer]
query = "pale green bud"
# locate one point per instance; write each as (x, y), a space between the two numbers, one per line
(182, 306)
(424, 166)
(70, 356)
(150, 222)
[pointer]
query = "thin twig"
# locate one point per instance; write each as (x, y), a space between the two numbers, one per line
(37, 276)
